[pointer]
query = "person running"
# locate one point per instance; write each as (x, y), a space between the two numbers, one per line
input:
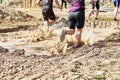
(93, 4)
(30, 3)
(47, 10)
(63, 2)
(76, 19)
(116, 5)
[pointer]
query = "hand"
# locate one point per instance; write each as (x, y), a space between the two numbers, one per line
(39, 3)
(60, 8)
(102, 3)
(110, 1)
(92, 1)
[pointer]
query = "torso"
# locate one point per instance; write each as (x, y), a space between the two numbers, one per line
(96, 0)
(47, 4)
(77, 5)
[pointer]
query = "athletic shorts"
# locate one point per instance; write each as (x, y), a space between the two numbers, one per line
(96, 4)
(76, 19)
(116, 3)
(48, 15)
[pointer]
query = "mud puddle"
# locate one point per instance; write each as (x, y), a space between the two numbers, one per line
(33, 41)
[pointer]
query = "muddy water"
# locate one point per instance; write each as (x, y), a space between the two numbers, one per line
(97, 62)
(37, 62)
(100, 61)
(27, 38)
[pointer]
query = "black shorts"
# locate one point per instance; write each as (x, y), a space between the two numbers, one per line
(96, 4)
(48, 15)
(116, 3)
(76, 19)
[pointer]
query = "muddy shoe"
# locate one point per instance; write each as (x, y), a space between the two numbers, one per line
(96, 18)
(77, 45)
(62, 35)
(115, 19)
(57, 17)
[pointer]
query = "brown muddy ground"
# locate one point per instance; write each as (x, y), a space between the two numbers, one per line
(26, 55)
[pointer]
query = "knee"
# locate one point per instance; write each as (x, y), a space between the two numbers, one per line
(72, 32)
(78, 32)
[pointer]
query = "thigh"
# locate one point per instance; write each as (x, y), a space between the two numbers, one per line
(45, 16)
(80, 19)
(91, 6)
(97, 5)
(116, 3)
(51, 15)
(71, 20)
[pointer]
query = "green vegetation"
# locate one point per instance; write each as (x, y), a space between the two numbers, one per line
(115, 78)
(100, 77)
(86, 3)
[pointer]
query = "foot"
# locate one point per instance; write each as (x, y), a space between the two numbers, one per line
(96, 18)
(62, 35)
(76, 45)
(88, 18)
(57, 17)
(115, 19)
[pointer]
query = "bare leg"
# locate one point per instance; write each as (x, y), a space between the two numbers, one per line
(64, 32)
(78, 37)
(30, 3)
(51, 22)
(62, 4)
(70, 31)
(65, 4)
(45, 28)
(47, 23)
(115, 12)
(92, 11)
(97, 14)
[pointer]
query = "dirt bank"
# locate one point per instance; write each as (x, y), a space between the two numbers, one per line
(100, 61)
(25, 52)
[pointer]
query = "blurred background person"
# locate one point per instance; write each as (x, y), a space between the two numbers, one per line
(116, 5)
(63, 2)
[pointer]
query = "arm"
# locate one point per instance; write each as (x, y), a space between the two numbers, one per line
(110, 0)
(103, 1)
(67, 1)
(92, 1)
(39, 2)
